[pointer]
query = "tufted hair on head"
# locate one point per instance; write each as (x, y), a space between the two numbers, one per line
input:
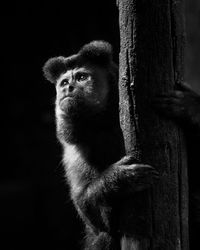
(53, 68)
(96, 52)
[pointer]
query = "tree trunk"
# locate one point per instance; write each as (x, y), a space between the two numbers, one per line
(151, 63)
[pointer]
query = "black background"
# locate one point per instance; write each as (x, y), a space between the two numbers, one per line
(35, 208)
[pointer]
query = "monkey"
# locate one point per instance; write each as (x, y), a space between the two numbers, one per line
(183, 106)
(98, 171)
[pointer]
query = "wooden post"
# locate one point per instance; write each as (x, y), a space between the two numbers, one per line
(151, 63)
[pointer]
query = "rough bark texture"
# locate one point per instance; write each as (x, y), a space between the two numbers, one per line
(151, 63)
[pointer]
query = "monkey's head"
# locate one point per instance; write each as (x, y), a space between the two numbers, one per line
(86, 83)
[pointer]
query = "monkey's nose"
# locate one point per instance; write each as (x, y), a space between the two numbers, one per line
(70, 88)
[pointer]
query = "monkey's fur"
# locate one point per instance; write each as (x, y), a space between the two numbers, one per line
(99, 174)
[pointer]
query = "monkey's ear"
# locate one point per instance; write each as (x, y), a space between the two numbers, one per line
(97, 51)
(53, 68)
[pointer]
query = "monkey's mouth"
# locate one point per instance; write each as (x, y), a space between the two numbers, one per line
(66, 97)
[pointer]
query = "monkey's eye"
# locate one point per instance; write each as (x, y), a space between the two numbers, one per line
(81, 76)
(64, 82)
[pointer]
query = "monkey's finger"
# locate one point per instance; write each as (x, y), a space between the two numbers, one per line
(152, 174)
(126, 160)
(145, 171)
(170, 110)
(171, 100)
(140, 170)
(183, 86)
(137, 166)
(144, 183)
(141, 167)
(174, 93)
(178, 94)
(170, 104)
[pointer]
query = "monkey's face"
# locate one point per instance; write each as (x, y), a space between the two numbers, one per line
(82, 89)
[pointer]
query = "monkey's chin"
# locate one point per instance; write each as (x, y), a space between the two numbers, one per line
(66, 103)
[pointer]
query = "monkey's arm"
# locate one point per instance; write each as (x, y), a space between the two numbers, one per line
(120, 179)
(183, 105)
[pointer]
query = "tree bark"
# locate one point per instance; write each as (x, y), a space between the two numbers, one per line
(151, 63)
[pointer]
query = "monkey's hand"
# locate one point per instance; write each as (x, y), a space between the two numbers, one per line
(136, 177)
(182, 104)
(131, 176)
(123, 177)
